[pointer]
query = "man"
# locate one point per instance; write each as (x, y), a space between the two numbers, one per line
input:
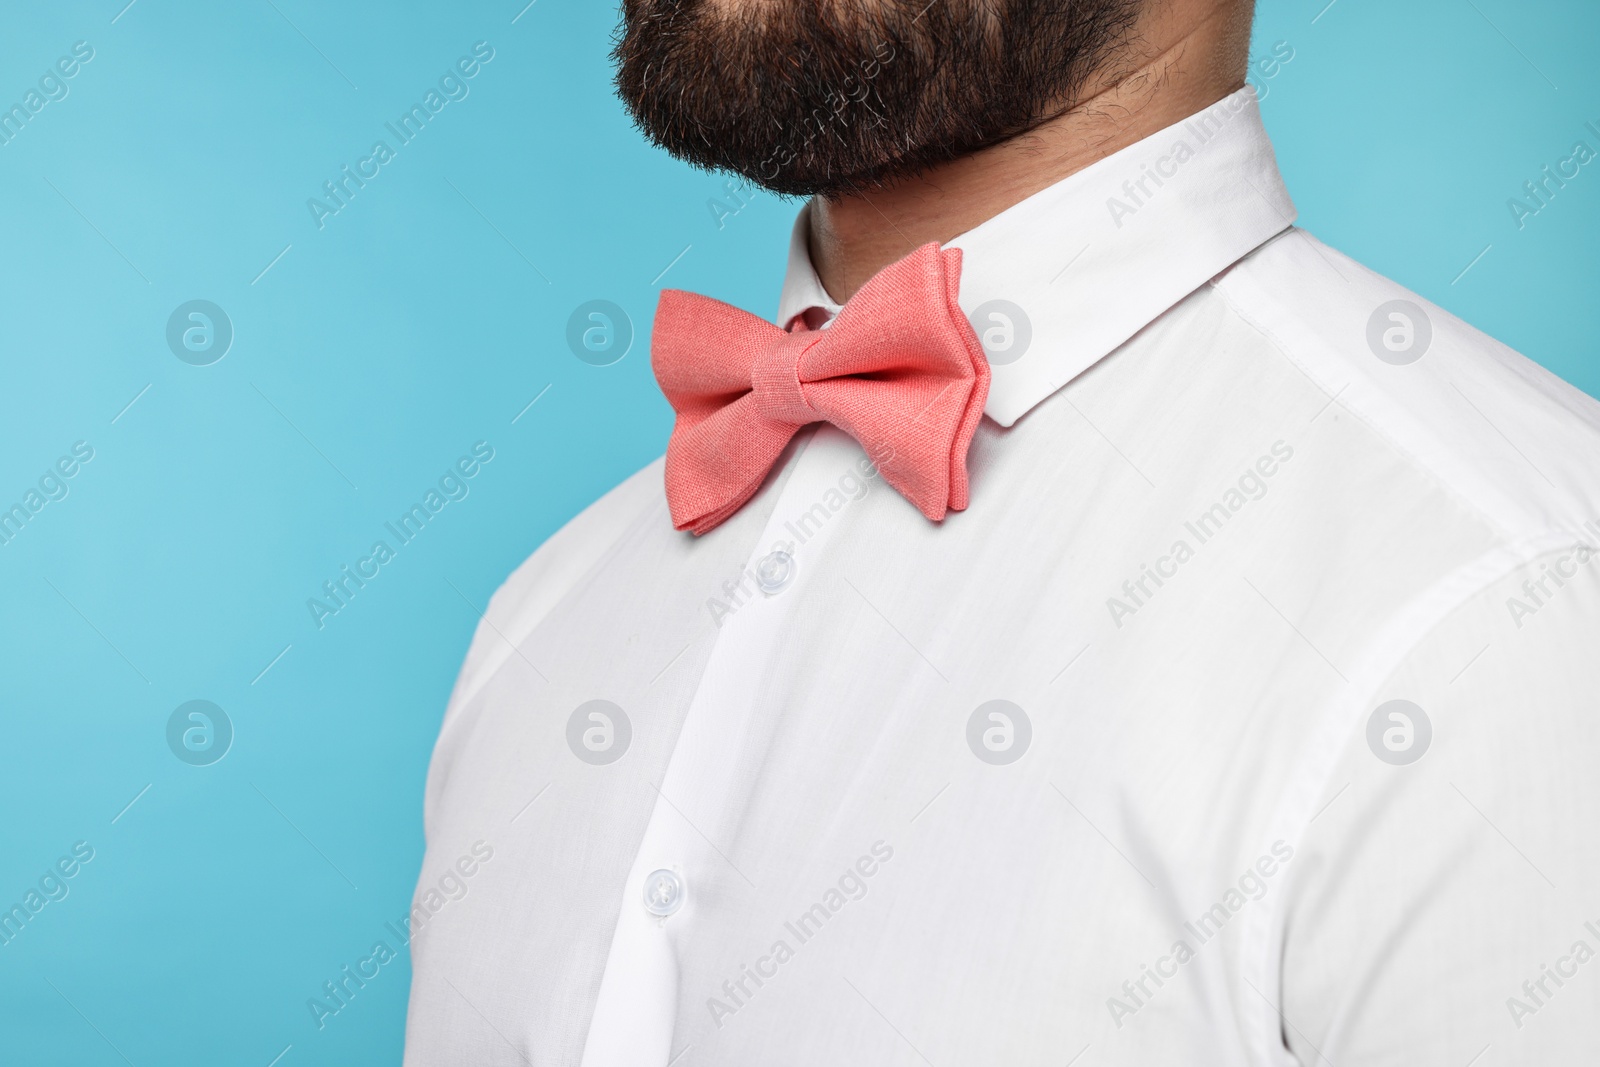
(1097, 623)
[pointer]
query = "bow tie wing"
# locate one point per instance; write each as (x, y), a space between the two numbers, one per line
(901, 370)
(722, 446)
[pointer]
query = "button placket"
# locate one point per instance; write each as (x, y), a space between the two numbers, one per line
(638, 999)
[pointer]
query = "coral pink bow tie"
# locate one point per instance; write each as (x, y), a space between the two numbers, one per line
(899, 369)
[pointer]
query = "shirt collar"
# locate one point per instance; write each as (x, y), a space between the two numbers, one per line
(1096, 257)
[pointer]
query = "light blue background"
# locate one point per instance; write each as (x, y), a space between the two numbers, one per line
(377, 350)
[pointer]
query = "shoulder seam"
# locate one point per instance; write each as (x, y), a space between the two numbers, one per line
(1384, 654)
(1478, 511)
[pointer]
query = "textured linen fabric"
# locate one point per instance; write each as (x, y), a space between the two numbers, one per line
(900, 370)
(1221, 519)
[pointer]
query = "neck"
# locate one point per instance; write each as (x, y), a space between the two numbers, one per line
(1187, 61)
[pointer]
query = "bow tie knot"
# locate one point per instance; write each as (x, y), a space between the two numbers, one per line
(775, 380)
(899, 369)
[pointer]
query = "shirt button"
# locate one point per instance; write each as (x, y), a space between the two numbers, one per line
(775, 571)
(663, 893)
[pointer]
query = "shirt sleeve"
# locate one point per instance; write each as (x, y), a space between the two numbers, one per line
(1445, 907)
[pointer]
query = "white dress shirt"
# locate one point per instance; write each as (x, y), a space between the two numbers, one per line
(1247, 716)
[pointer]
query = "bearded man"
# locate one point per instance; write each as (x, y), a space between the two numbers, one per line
(1095, 622)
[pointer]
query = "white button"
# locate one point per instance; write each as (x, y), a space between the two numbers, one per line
(775, 571)
(663, 893)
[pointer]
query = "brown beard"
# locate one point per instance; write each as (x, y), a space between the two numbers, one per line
(826, 97)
